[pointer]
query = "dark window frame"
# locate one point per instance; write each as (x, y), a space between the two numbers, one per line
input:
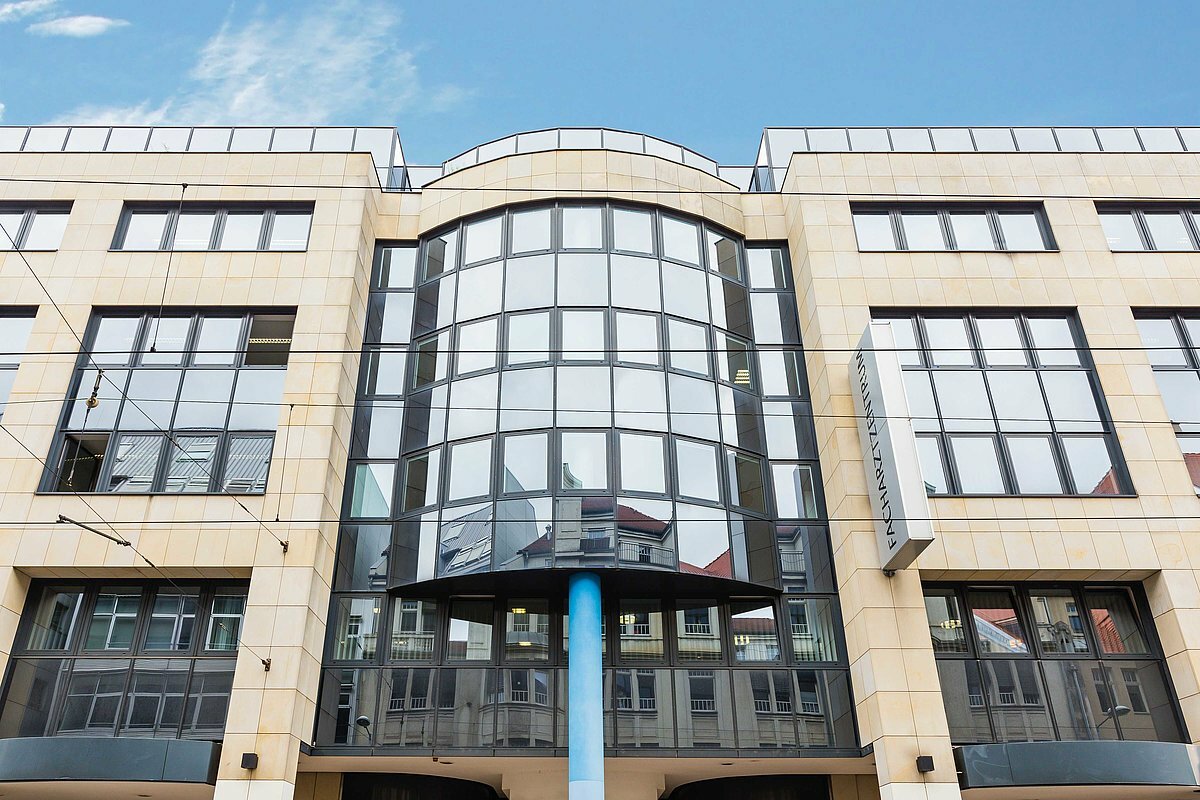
(221, 212)
(894, 212)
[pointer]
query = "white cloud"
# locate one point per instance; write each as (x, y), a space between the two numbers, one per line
(79, 26)
(333, 62)
(24, 8)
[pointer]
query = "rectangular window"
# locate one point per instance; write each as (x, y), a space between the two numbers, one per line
(15, 325)
(37, 228)
(191, 407)
(1151, 227)
(99, 683)
(226, 228)
(1172, 344)
(965, 228)
(1006, 404)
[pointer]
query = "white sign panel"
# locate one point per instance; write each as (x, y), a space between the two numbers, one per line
(898, 501)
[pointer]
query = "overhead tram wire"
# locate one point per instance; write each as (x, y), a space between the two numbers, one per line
(83, 349)
(117, 538)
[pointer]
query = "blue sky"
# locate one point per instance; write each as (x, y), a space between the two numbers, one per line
(707, 75)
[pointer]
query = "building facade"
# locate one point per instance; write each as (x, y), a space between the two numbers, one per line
(539, 473)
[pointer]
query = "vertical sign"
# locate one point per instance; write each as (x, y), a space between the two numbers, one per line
(898, 501)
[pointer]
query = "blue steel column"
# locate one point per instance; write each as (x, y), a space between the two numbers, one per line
(585, 692)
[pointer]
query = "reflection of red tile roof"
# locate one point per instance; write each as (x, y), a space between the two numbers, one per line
(720, 567)
(1106, 629)
(1193, 464)
(1107, 484)
(1003, 618)
(629, 519)
(539, 546)
(753, 625)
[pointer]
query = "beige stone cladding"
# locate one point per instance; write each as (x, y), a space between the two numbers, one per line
(1152, 537)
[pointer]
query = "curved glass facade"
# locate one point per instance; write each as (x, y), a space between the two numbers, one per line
(580, 386)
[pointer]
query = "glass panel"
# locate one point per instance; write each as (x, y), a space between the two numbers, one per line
(421, 479)
(529, 282)
(977, 464)
(54, 619)
(874, 231)
(733, 361)
(1180, 391)
(795, 494)
(685, 292)
(10, 229)
(584, 460)
(997, 629)
(583, 336)
(256, 399)
(705, 708)
(408, 708)
(525, 463)
(1116, 623)
(698, 630)
(134, 463)
(583, 228)
(477, 346)
(414, 626)
(168, 336)
(193, 230)
(1001, 342)
(479, 291)
(349, 700)
(1168, 231)
(114, 340)
(465, 707)
(746, 488)
(933, 472)
(752, 626)
(1072, 404)
(767, 267)
(635, 283)
(640, 399)
(689, 347)
(637, 339)
(812, 629)
(391, 318)
(693, 407)
(113, 618)
(363, 557)
(377, 429)
(1161, 342)
(1034, 466)
(906, 341)
(921, 406)
(1058, 621)
(1018, 400)
(527, 631)
(774, 318)
(225, 622)
(356, 628)
(1054, 342)
(922, 230)
(524, 714)
(640, 630)
(385, 372)
(472, 409)
(270, 339)
(787, 431)
(470, 636)
(642, 707)
(204, 400)
(1081, 700)
(144, 230)
(971, 230)
(945, 620)
(192, 464)
(93, 697)
(722, 254)
(470, 470)
(465, 540)
(397, 267)
(441, 254)
(1190, 447)
(1120, 229)
(372, 493)
(247, 463)
(703, 535)
(289, 230)
(108, 391)
(523, 532)
(531, 230)
(242, 230)
(1021, 230)
(583, 397)
(582, 280)
(481, 240)
(526, 399)
(949, 342)
(780, 373)
(642, 463)
(681, 240)
(1144, 707)
(155, 702)
(528, 338)
(219, 340)
(633, 231)
(962, 693)
(1018, 703)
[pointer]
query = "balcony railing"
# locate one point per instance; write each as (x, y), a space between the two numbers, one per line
(704, 705)
(645, 554)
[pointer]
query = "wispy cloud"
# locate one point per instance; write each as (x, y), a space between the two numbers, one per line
(338, 61)
(24, 8)
(79, 26)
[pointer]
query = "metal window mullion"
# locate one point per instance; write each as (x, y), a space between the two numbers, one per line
(265, 228)
(948, 237)
(993, 223)
(1190, 226)
(1008, 473)
(1139, 222)
(220, 218)
(898, 229)
(170, 228)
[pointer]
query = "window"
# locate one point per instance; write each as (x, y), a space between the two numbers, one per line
(228, 228)
(124, 660)
(1151, 227)
(920, 227)
(1006, 404)
(37, 228)
(1022, 663)
(15, 326)
(187, 403)
(1171, 344)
